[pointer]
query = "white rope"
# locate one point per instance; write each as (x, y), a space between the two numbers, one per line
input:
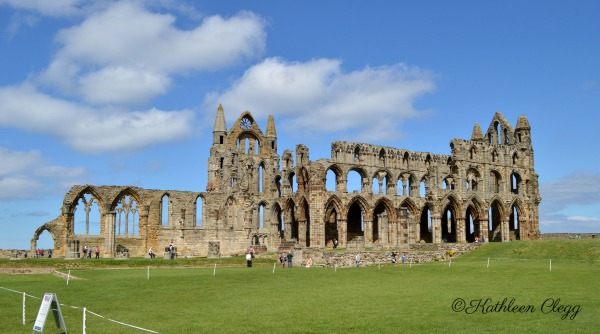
(120, 323)
(85, 310)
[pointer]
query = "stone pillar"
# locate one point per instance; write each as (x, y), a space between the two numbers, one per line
(368, 233)
(109, 236)
(436, 230)
(342, 233)
(504, 230)
(461, 230)
(302, 232)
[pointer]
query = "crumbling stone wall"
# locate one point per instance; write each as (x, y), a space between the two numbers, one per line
(485, 188)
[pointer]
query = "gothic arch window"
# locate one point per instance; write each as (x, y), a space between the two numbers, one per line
(261, 215)
(292, 182)
(515, 159)
(199, 207)
(261, 170)
(354, 181)
(356, 155)
(515, 181)
(331, 180)
(382, 157)
(405, 159)
(278, 192)
(494, 182)
(87, 215)
(165, 210)
(128, 216)
(422, 188)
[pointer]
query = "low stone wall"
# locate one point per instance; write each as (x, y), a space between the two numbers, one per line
(13, 253)
(552, 236)
(418, 253)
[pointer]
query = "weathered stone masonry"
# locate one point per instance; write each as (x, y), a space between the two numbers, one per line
(486, 188)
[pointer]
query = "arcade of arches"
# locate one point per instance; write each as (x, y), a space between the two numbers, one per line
(364, 196)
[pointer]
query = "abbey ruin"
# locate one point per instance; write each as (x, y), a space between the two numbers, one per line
(485, 188)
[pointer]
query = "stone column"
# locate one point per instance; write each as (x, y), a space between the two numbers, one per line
(436, 230)
(342, 233)
(109, 236)
(504, 230)
(368, 233)
(302, 232)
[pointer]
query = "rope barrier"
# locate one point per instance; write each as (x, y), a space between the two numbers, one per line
(85, 311)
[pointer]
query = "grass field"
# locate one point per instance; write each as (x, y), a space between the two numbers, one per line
(427, 298)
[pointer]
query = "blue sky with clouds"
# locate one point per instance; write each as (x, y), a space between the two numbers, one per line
(125, 92)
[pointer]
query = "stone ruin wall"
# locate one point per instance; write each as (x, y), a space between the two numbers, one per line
(247, 175)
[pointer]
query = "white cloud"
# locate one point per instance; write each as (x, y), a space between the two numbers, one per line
(54, 8)
(578, 188)
(27, 175)
(319, 96)
(88, 129)
(138, 51)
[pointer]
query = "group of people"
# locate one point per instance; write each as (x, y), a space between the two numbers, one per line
(394, 259)
(87, 252)
(482, 239)
(286, 258)
(40, 253)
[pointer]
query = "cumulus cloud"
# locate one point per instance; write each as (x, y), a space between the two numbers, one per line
(88, 129)
(27, 175)
(54, 8)
(319, 96)
(128, 54)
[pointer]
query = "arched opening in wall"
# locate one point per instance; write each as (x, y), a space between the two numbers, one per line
(472, 179)
(494, 223)
(279, 218)
(231, 213)
(515, 159)
(261, 216)
(356, 226)
(498, 132)
(330, 180)
(199, 205)
(261, 170)
(356, 155)
(380, 188)
(505, 136)
(292, 182)
(293, 223)
(165, 210)
(494, 182)
(514, 224)
(405, 159)
(515, 180)
(422, 188)
(380, 220)
(425, 226)
(277, 181)
(87, 215)
(331, 226)
(128, 216)
(308, 224)
(400, 190)
(449, 225)
(354, 182)
(45, 241)
(382, 157)
(471, 226)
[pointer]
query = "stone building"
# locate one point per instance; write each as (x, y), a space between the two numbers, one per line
(485, 188)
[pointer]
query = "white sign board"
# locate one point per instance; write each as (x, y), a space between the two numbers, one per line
(49, 303)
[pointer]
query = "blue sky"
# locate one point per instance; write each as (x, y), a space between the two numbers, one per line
(125, 92)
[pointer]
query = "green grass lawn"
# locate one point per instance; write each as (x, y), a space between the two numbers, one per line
(385, 299)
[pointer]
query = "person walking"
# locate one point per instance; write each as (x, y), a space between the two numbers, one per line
(289, 259)
(97, 251)
(282, 259)
(171, 252)
(357, 259)
(151, 253)
(249, 259)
